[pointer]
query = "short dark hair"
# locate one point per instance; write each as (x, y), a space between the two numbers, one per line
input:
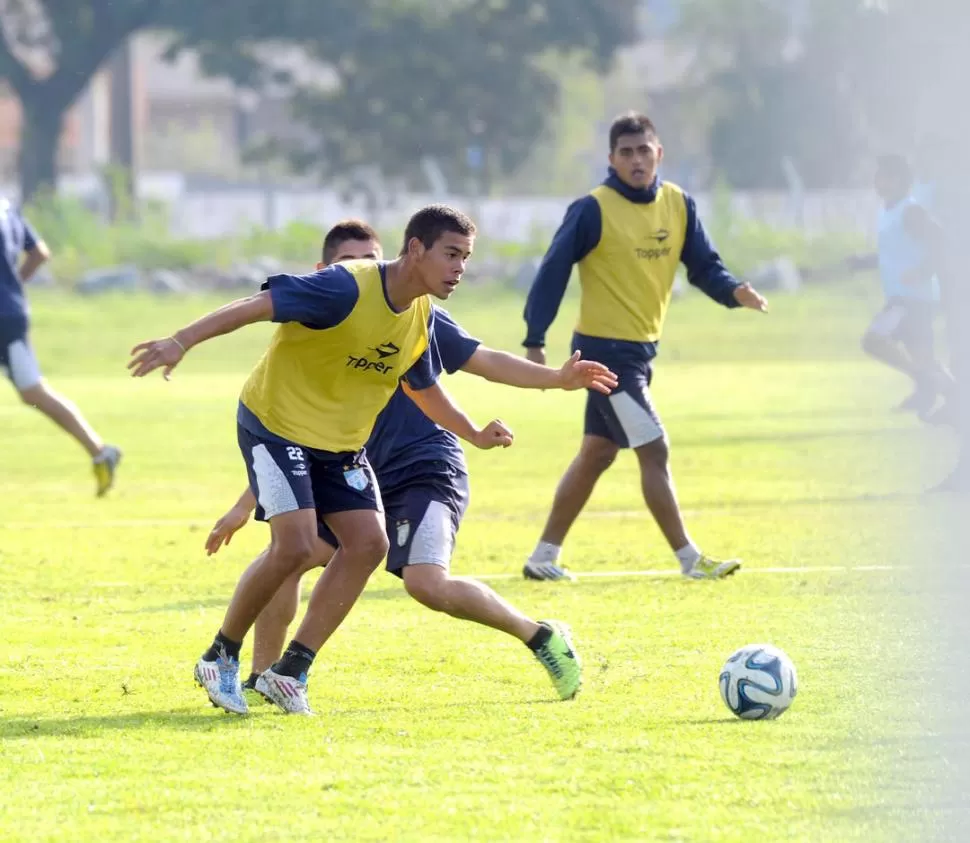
(631, 123)
(342, 232)
(432, 221)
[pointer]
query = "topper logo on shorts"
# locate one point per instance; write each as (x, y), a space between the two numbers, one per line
(383, 351)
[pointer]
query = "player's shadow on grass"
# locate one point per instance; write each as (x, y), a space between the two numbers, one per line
(197, 719)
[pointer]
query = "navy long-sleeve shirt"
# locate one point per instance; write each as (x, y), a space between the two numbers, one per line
(580, 233)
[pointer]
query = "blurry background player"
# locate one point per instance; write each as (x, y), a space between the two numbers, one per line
(628, 236)
(16, 355)
(423, 477)
(901, 335)
(944, 190)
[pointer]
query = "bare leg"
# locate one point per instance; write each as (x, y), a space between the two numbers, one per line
(892, 354)
(466, 599)
(294, 540)
(658, 492)
(362, 547)
(64, 414)
(596, 455)
(269, 632)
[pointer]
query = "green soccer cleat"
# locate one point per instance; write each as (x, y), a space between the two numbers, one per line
(707, 568)
(561, 660)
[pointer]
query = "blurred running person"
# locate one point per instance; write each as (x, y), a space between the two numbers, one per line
(901, 335)
(17, 356)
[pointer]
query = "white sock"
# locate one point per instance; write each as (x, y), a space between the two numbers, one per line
(687, 556)
(545, 552)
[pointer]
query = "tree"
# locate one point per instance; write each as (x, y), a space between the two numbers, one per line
(48, 53)
(793, 79)
(461, 85)
(50, 49)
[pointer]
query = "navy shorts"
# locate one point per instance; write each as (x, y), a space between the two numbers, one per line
(286, 477)
(907, 321)
(627, 417)
(17, 358)
(422, 514)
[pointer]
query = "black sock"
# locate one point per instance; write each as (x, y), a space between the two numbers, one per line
(251, 681)
(540, 639)
(296, 661)
(224, 647)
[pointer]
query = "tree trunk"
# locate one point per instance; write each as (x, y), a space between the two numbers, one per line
(43, 118)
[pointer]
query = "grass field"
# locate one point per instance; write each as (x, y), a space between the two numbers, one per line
(430, 729)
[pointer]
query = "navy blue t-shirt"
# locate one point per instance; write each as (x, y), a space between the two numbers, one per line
(404, 436)
(16, 237)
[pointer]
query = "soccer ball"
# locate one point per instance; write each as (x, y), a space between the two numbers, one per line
(758, 682)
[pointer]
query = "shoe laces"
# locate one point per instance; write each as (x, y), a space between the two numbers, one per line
(549, 661)
(228, 676)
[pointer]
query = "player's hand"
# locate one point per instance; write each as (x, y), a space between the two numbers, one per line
(226, 527)
(494, 435)
(747, 296)
(536, 355)
(586, 374)
(156, 354)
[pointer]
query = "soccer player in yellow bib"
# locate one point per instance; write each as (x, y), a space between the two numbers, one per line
(348, 334)
(628, 237)
(423, 477)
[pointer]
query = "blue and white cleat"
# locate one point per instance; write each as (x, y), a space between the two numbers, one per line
(545, 571)
(221, 682)
(284, 691)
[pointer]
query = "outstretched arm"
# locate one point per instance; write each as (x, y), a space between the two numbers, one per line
(706, 270)
(167, 353)
(502, 367)
(230, 523)
(437, 405)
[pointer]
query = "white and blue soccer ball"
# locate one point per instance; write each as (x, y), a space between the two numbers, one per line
(758, 682)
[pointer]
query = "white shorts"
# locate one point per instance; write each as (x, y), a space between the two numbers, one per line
(18, 360)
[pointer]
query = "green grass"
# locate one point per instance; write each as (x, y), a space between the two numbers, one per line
(432, 729)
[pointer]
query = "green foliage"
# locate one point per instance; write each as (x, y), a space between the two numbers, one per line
(469, 77)
(83, 241)
(413, 78)
(821, 83)
(746, 243)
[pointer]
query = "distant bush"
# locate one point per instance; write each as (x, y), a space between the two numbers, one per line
(82, 241)
(743, 244)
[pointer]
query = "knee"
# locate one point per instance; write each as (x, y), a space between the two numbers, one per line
(654, 455)
(598, 458)
(33, 396)
(427, 585)
(294, 552)
(368, 548)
